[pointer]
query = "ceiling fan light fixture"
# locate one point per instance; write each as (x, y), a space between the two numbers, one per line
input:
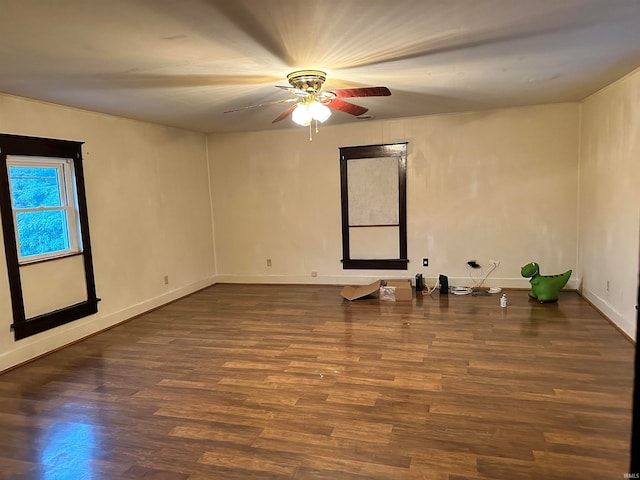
(301, 114)
(319, 111)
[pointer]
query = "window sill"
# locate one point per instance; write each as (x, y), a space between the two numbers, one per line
(26, 263)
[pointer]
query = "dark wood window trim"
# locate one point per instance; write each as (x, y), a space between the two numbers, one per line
(398, 150)
(43, 147)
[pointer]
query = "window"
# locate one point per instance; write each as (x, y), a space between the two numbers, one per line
(374, 206)
(45, 228)
(44, 207)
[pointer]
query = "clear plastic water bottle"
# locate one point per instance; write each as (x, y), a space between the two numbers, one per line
(503, 301)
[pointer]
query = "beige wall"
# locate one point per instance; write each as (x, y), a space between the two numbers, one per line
(610, 200)
(149, 215)
(490, 185)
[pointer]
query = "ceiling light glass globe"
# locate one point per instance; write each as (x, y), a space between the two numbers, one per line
(301, 115)
(319, 111)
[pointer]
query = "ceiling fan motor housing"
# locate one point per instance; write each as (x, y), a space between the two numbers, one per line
(307, 80)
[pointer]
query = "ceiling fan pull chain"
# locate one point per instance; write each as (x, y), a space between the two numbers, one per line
(310, 136)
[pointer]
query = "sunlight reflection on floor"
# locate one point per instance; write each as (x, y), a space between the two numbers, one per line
(66, 451)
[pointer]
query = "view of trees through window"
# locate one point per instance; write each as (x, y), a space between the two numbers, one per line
(38, 200)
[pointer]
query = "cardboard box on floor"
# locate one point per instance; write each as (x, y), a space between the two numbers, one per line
(401, 288)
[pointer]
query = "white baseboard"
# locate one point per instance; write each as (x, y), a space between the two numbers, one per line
(628, 326)
(50, 340)
(521, 283)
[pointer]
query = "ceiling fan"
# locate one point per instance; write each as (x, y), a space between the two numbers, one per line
(313, 103)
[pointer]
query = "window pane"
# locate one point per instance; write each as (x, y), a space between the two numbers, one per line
(42, 232)
(374, 196)
(34, 187)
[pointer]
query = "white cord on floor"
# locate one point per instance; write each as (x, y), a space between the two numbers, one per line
(477, 283)
(461, 290)
(428, 290)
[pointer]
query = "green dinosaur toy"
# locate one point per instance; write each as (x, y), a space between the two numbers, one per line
(544, 288)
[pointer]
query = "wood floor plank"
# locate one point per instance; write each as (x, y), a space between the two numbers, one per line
(250, 461)
(294, 382)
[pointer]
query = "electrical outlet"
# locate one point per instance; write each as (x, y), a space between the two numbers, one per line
(166, 279)
(268, 262)
(607, 285)
(495, 262)
(314, 274)
(425, 262)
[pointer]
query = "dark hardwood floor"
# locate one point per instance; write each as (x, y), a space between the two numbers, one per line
(293, 382)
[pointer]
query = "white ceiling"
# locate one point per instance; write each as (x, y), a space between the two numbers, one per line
(184, 62)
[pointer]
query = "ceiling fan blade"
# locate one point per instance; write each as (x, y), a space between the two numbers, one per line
(295, 91)
(361, 92)
(347, 107)
(286, 100)
(284, 114)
